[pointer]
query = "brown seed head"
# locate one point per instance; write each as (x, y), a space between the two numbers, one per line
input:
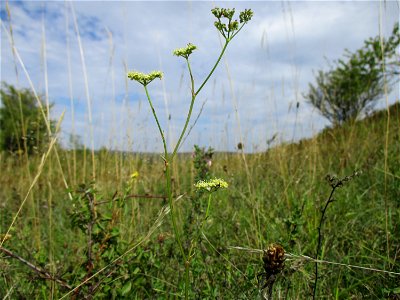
(274, 259)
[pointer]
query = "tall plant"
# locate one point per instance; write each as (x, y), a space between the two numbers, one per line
(228, 28)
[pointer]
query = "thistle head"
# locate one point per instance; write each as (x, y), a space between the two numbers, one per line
(143, 78)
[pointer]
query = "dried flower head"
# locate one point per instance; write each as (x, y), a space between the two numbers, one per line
(144, 79)
(185, 52)
(211, 185)
(274, 259)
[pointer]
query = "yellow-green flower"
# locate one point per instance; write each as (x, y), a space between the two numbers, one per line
(134, 175)
(143, 78)
(211, 185)
(185, 52)
(231, 27)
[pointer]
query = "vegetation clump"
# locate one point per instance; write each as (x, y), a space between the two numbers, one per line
(22, 125)
(353, 87)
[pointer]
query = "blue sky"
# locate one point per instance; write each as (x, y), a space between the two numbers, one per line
(252, 95)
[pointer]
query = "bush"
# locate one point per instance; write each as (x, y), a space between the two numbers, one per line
(22, 125)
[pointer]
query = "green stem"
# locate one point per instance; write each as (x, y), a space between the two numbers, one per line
(208, 207)
(190, 110)
(172, 206)
(207, 213)
(167, 161)
(187, 265)
(194, 94)
(236, 32)
(213, 69)
(158, 123)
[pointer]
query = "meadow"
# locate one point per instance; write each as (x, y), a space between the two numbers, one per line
(272, 197)
(317, 218)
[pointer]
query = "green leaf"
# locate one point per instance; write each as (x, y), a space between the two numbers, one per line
(126, 288)
(106, 288)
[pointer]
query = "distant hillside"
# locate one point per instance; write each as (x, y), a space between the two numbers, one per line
(353, 145)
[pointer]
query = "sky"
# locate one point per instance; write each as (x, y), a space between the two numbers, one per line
(77, 54)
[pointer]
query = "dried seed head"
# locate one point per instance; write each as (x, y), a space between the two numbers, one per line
(274, 259)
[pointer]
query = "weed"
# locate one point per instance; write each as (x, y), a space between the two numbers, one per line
(228, 28)
(335, 183)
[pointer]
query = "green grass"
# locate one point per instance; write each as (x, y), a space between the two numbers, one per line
(277, 200)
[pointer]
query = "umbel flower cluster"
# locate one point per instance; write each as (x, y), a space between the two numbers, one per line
(185, 52)
(231, 28)
(144, 79)
(211, 185)
(228, 31)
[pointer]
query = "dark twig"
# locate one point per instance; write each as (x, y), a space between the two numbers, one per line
(43, 273)
(335, 183)
(330, 200)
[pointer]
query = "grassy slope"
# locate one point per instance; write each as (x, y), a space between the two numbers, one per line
(273, 197)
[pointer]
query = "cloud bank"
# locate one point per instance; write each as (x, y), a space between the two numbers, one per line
(78, 53)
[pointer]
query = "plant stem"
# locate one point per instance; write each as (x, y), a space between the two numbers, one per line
(175, 228)
(208, 207)
(168, 161)
(321, 221)
(194, 95)
(187, 266)
(43, 272)
(207, 213)
(190, 110)
(171, 204)
(213, 69)
(158, 123)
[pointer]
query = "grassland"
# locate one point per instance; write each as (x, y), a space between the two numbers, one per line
(273, 197)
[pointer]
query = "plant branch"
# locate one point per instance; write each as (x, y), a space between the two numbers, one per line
(194, 123)
(158, 123)
(189, 113)
(321, 221)
(334, 183)
(44, 273)
(213, 69)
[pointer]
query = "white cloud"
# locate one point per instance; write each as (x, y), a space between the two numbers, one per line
(270, 65)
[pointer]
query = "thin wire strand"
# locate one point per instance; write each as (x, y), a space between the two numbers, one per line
(305, 257)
